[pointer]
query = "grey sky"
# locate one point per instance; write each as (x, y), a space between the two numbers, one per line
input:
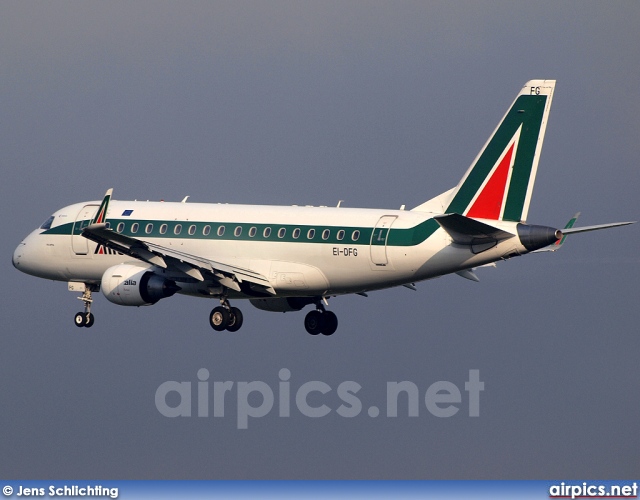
(376, 103)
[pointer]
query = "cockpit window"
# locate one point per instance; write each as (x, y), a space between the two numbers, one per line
(47, 224)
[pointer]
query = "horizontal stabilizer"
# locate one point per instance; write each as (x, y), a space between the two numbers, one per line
(466, 231)
(594, 228)
(569, 229)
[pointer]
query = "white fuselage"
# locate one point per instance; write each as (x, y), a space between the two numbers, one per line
(303, 251)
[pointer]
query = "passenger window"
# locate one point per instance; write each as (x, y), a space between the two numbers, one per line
(192, 229)
(296, 233)
(149, 228)
(267, 232)
(206, 230)
(107, 225)
(163, 229)
(311, 233)
(238, 231)
(120, 227)
(281, 232)
(134, 227)
(221, 231)
(355, 235)
(325, 234)
(252, 232)
(178, 229)
(341, 234)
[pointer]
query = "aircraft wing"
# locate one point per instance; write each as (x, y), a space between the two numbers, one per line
(193, 266)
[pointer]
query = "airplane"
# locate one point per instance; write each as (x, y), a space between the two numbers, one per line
(283, 258)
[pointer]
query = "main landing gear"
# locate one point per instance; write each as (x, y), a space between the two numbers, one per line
(321, 321)
(86, 319)
(225, 317)
(318, 321)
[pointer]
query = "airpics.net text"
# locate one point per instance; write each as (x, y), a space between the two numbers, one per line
(257, 399)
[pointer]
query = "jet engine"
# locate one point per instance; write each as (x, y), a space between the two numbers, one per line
(281, 304)
(131, 285)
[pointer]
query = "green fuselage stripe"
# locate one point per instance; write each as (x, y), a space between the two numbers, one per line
(397, 237)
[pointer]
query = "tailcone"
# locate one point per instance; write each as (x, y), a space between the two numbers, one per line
(535, 237)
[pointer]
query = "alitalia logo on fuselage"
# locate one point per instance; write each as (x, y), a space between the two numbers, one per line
(105, 250)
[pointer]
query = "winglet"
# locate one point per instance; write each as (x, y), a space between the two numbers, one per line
(556, 246)
(101, 214)
(569, 225)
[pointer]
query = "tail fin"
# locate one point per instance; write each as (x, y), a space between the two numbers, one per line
(499, 182)
(101, 214)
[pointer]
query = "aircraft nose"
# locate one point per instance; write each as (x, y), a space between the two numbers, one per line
(23, 257)
(33, 256)
(17, 254)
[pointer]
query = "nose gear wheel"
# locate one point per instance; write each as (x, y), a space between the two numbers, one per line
(86, 319)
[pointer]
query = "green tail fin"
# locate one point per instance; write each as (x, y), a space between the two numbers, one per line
(499, 183)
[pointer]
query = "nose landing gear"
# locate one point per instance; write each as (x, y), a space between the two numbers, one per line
(86, 319)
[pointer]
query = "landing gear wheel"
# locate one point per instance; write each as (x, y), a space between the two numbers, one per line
(85, 318)
(90, 321)
(80, 319)
(314, 322)
(330, 321)
(219, 318)
(235, 320)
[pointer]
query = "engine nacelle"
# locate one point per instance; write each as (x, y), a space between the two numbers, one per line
(131, 285)
(281, 304)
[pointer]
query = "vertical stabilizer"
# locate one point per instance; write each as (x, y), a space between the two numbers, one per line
(499, 183)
